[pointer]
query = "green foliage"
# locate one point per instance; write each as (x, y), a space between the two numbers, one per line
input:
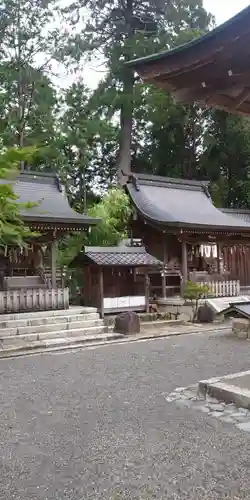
(13, 231)
(89, 141)
(125, 30)
(194, 292)
(226, 159)
(77, 131)
(113, 212)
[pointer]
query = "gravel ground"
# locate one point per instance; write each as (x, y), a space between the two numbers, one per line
(95, 424)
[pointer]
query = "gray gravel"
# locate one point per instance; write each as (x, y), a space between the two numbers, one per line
(95, 424)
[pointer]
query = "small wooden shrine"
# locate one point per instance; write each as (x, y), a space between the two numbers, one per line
(116, 279)
(211, 69)
(29, 279)
(180, 226)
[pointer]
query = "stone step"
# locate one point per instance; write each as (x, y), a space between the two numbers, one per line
(57, 336)
(50, 327)
(46, 314)
(160, 324)
(48, 321)
(154, 326)
(56, 345)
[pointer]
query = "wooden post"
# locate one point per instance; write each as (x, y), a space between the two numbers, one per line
(53, 262)
(147, 290)
(184, 263)
(101, 293)
(165, 260)
(218, 258)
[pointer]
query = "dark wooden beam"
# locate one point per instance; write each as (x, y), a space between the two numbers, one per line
(53, 262)
(197, 56)
(204, 83)
(184, 262)
(241, 98)
(101, 293)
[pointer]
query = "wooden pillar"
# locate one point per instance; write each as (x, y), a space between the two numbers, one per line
(218, 258)
(165, 261)
(53, 262)
(184, 263)
(147, 290)
(101, 293)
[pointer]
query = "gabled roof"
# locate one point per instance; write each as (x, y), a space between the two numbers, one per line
(242, 309)
(116, 256)
(180, 203)
(53, 207)
(211, 69)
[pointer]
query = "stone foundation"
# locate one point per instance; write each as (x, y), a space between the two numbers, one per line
(241, 328)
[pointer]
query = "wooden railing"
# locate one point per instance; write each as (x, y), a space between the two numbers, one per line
(226, 288)
(36, 299)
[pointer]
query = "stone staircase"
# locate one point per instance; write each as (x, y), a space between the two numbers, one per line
(28, 333)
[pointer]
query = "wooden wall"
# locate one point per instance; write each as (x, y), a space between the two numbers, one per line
(153, 241)
(237, 262)
(236, 258)
(117, 282)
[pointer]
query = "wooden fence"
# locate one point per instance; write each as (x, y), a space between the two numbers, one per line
(35, 299)
(227, 288)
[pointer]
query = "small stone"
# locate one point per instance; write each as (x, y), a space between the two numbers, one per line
(230, 408)
(239, 417)
(245, 411)
(217, 407)
(227, 419)
(203, 409)
(170, 399)
(244, 426)
(216, 414)
(183, 402)
(189, 395)
(211, 400)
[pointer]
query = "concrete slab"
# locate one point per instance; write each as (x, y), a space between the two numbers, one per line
(233, 388)
(220, 304)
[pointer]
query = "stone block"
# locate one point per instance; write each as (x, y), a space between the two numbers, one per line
(205, 314)
(242, 334)
(241, 328)
(127, 323)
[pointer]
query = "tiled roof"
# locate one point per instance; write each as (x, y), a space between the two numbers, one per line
(45, 190)
(180, 203)
(242, 214)
(197, 43)
(117, 256)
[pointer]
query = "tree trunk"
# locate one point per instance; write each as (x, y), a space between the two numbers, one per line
(20, 86)
(126, 114)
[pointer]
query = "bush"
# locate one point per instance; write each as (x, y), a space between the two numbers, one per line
(194, 292)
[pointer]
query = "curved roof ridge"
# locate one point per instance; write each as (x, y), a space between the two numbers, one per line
(169, 180)
(193, 43)
(177, 205)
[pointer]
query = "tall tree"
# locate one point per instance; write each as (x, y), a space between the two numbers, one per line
(122, 30)
(226, 158)
(89, 142)
(31, 37)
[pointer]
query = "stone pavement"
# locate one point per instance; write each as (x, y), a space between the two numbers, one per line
(229, 413)
(97, 424)
(233, 388)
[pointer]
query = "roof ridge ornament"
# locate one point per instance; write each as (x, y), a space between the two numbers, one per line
(133, 180)
(59, 184)
(206, 191)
